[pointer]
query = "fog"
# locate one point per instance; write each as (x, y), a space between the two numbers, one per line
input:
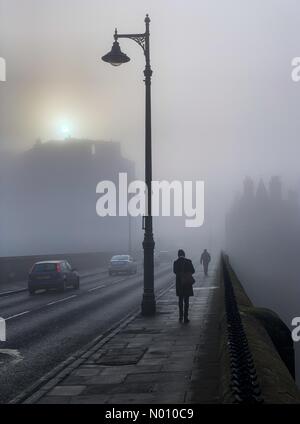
(224, 108)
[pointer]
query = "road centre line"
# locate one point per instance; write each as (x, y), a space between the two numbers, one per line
(107, 285)
(17, 315)
(61, 300)
(97, 288)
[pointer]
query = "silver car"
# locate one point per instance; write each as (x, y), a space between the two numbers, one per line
(122, 264)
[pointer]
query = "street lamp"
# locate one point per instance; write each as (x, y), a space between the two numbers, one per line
(116, 58)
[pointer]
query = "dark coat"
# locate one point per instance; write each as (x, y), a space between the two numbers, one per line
(205, 258)
(183, 265)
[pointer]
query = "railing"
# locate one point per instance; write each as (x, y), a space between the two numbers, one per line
(244, 382)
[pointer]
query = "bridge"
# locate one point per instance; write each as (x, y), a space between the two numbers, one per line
(230, 352)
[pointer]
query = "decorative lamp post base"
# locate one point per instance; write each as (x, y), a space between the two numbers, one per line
(148, 302)
(148, 305)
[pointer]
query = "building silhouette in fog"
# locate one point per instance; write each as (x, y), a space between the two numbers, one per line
(263, 240)
(49, 199)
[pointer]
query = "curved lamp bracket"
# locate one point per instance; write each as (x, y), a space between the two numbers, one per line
(140, 39)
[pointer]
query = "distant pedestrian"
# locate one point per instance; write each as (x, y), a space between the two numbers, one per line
(184, 270)
(205, 260)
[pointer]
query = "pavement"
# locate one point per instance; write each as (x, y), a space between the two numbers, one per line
(147, 360)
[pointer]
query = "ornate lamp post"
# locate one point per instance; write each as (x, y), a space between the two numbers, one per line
(116, 57)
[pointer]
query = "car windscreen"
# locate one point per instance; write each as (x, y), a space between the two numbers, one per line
(48, 267)
(120, 258)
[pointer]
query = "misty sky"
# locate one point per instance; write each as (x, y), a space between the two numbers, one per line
(222, 83)
(224, 103)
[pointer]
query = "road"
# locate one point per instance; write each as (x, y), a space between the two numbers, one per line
(45, 329)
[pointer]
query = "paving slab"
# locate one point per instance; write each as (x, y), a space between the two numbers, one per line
(152, 360)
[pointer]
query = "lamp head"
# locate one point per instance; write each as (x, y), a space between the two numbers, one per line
(116, 57)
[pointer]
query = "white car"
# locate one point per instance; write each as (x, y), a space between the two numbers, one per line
(122, 264)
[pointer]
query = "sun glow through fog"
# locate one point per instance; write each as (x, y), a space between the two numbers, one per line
(65, 130)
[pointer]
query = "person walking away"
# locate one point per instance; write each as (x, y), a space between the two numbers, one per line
(183, 269)
(205, 260)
